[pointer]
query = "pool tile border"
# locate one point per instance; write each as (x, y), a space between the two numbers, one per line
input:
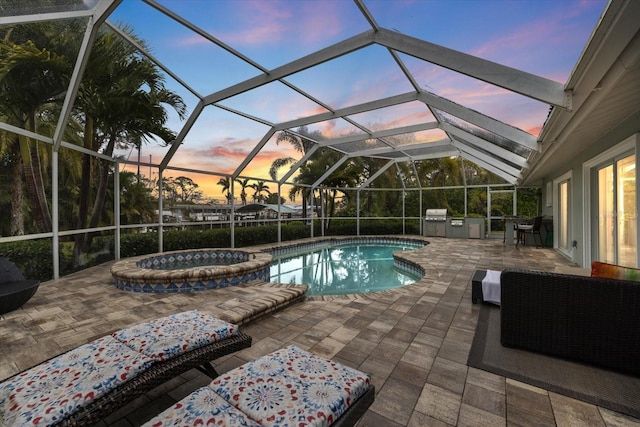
(241, 266)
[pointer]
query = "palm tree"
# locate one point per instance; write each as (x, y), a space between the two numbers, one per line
(122, 102)
(244, 183)
(440, 173)
(34, 75)
(136, 203)
(302, 146)
(260, 187)
(11, 178)
(225, 183)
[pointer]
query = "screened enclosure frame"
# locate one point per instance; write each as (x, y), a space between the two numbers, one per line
(468, 135)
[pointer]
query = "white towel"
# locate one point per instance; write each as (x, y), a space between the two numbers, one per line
(491, 287)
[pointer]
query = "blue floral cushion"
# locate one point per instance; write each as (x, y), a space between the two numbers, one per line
(202, 407)
(292, 387)
(167, 337)
(55, 389)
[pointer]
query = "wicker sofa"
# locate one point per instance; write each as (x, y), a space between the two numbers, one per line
(588, 319)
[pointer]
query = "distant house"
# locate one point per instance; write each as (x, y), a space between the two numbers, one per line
(267, 211)
(199, 213)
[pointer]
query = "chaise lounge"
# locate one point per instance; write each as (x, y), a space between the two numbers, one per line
(289, 387)
(87, 383)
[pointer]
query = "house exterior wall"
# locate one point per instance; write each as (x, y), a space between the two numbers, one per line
(578, 232)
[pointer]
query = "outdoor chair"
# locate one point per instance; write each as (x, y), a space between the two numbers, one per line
(89, 382)
(15, 290)
(532, 228)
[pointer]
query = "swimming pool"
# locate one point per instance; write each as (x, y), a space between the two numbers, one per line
(345, 269)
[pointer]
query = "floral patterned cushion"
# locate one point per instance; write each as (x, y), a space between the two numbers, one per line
(202, 407)
(292, 387)
(165, 338)
(55, 389)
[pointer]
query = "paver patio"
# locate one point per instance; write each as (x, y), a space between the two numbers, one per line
(414, 340)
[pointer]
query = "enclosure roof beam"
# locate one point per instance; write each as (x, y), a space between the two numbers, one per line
(377, 174)
(99, 15)
(299, 163)
(485, 145)
(253, 153)
(488, 159)
(530, 85)
(492, 125)
(355, 109)
(197, 110)
(153, 59)
(329, 171)
(339, 49)
(203, 34)
(384, 150)
(491, 168)
(453, 152)
(379, 134)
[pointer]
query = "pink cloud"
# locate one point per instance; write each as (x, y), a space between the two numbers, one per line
(534, 47)
(535, 131)
(324, 20)
(269, 22)
(191, 40)
(227, 153)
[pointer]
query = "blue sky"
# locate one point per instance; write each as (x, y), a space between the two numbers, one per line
(543, 37)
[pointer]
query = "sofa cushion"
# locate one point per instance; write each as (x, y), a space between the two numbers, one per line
(55, 389)
(292, 387)
(612, 271)
(202, 407)
(167, 337)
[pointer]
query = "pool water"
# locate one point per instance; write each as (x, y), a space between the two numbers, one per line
(343, 270)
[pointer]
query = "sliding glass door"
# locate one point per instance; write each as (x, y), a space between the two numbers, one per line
(616, 234)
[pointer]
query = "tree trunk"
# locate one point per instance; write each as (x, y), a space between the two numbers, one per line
(101, 194)
(17, 200)
(35, 185)
(304, 203)
(331, 202)
(85, 195)
(35, 190)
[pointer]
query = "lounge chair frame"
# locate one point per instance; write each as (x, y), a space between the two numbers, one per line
(353, 414)
(152, 377)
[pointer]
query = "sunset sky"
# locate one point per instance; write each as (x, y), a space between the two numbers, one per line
(543, 37)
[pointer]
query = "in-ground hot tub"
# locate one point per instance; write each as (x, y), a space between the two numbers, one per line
(191, 270)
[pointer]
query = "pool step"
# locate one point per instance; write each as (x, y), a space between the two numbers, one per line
(258, 298)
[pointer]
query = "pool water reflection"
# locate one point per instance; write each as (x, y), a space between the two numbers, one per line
(342, 270)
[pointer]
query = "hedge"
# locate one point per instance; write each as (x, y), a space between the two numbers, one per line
(35, 257)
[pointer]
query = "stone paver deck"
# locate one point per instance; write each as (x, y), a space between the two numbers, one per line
(414, 340)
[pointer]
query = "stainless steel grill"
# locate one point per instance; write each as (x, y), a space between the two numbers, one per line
(438, 215)
(435, 223)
